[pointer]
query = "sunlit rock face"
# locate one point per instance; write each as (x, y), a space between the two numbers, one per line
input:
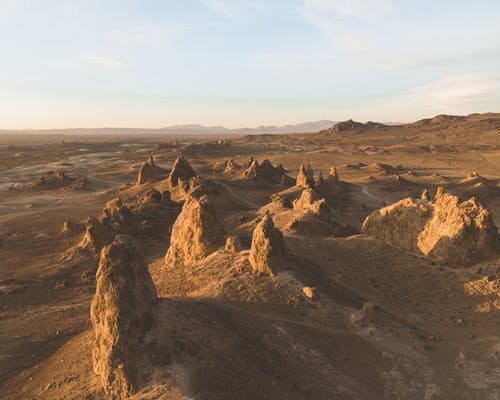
(444, 229)
(121, 310)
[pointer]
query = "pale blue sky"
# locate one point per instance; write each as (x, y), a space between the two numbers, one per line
(154, 63)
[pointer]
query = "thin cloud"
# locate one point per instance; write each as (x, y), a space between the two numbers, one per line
(219, 6)
(330, 16)
(145, 35)
(108, 62)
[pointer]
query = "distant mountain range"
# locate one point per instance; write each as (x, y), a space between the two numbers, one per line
(298, 128)
(191, 129)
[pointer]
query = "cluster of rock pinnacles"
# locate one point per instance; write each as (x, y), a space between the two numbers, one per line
(124, 303)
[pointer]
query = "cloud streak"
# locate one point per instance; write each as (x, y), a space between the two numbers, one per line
(145, 35)
(107, 62)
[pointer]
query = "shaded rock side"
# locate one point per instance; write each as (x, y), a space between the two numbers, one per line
(444, 229)
(197, 232)
(120, 313)
(181, 170)
(268, 248)
(146, 173)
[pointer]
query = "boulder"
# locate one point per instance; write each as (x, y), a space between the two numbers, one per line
(121, 310)
(268, 248)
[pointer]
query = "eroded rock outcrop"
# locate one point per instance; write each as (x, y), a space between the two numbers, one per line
(197, 232)
(309, 201)
(305, 177)
(181, 170)
(149, 215)
(267, 172)
(268, 248)
(444, 229)
(146, 174)
(121, 311)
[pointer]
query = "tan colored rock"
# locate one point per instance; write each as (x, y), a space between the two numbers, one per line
(233, 244)
(96, 235)
(311, 293)
(197, 232)
(120, 312)
(267, 172)
(268, 248)
(444, 229)
(425, 195)
(305, 177)
(146, 174)
(309, 201)
(333, 175)
(181, 169)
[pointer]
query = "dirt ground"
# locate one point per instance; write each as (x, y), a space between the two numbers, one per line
(235, 335)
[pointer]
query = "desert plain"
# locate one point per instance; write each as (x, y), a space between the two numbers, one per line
(186, 266)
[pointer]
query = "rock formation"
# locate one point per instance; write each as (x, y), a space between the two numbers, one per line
(266, 171)
(268, 248)
(233, 244)
(121, 310)
(152, 213)
(309, 201)
(333, 175)
(181, 169)
(444, 229)
(305, 177)
(146, 174)
(197, 232)
(149, 171)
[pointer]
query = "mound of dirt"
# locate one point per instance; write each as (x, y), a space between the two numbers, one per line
(266, 171)
(181, 170)
(197, 232)
(268, 248)
(121, 310)
(445, 229)
(59, 180)
(305, 176)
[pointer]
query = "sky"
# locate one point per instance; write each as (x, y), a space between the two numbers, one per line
(156, 63)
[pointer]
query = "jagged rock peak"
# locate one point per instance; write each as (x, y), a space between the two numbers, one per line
(268, 248)
(120, 312)
(305, 176)
(333, 175)
(197, 232)
(181, 170)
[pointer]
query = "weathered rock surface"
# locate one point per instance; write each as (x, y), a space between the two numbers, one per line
(146, 174)
(305, 177)
(444, 229)
(181, 170)
(233, 244)
(267, 172)
(150, 215)
(121, 310)
(268, 248)
(309, 201)
(197, 232)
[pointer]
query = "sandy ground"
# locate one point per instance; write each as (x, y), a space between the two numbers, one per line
(433, 339)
